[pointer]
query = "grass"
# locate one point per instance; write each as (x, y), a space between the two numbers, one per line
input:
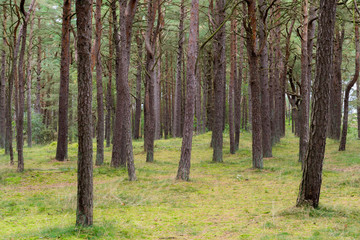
(222, 201)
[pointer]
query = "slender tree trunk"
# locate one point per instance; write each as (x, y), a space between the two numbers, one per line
(2, 97)
(309, 193)
(99, 88)
(178, 85)
(264, 81)
(29, 78)
(84, 212)
(219, 81)
(358, 106)
(237, 98)
(21, 90)
(334, 128)
(138, 87)
(62, 143)
(38, 73)
(233, 76)
(257, 150)
(305, 86)
(348, 89)
(109, 85)
(184, 164)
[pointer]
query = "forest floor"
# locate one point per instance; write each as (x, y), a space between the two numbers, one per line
(228, 200)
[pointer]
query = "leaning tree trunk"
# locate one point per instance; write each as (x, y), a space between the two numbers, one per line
(309, 192)
(84, 212)
(99, 88)
(184, 164)
(348, 89)
(62, 143)
(219, 81)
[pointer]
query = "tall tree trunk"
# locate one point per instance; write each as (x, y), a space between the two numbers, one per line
(253, 58)
(99, 88)
(62, 143)
(309, 192)
(348, 89)
(334, 127)
(123, 108)
(21, 89)
(138, 87)
(109, 85)
(237, 98)
(38, 73)
(358, 107)
(29, 78)
(233, 76)
(264, 81)
(3, 95)
(84, 212)
(305, 86)
(184, 164)
(178, 85)
(219, 81)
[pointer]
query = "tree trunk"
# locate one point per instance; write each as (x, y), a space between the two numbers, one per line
(334, 128)
(123, 108)
(312, 169)
(38, 73)
(264, 81)
(109, 99)
(138, 87)
(348, 89)
(2, 98)
(237, 98)
(253, 58)
(29, 78)
(99, 88)
(219, 81)
(184, 164)
(178, 85)
(84, 212)
(233, 76)
(305, 86)
(62, 143)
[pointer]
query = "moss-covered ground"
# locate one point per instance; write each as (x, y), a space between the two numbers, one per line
(222, 201)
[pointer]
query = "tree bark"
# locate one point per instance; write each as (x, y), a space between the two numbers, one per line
(238, 85)
(29, 78)
(21, 90)
(178, 85)
(233, 76)
(253, 58)
(312, 169)
(184, 164)
(334, 125)
(62, 143)
(219, 81)
(348, 89)
(138, 87)
(84, 212)
(305, 86)
(109, 99)
(264, 81)
(3, 93)
(37, 107)
(99, 88)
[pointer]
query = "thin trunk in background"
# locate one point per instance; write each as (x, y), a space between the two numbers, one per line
(237, 91)
(233, 76)
(99, 88)
(348, 89)
(109, 85)
(184, 164)
(62, 143)
(137, 128)
(37, 107)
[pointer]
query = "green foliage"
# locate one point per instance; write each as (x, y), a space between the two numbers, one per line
(40, 133)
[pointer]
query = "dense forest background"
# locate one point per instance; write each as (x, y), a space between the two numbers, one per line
(115, 76)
